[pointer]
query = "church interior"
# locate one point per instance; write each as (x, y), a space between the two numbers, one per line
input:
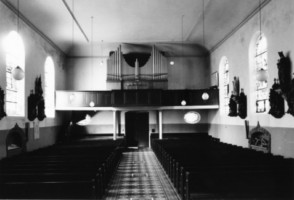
(146, 99)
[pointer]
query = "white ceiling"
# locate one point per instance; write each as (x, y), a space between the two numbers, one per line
(162, 22)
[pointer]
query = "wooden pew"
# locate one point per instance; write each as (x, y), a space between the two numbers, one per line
(213, 170)
(76, 170)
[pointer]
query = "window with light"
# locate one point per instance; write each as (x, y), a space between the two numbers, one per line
(226, 84)
(49, 88)
(14, 56)
(261, 60)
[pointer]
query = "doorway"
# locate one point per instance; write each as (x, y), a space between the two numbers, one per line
(137, 129)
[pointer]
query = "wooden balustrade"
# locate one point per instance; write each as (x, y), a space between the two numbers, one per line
(123, 98)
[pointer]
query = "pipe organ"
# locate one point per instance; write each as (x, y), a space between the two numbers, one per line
(138, 70)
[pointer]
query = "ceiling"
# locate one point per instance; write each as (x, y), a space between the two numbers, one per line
(169, 24)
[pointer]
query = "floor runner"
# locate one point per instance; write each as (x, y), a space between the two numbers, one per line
(140, 177)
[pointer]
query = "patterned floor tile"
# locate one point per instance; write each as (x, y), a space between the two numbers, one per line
(140, 176)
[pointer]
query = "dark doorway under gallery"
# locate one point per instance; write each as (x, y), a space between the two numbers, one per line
(137, 129)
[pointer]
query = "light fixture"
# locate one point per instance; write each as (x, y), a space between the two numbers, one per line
(261, 75)
(183, 103)
(17, 72)
(192, 117)
(205, 96)
(172, 62)
(92, 104)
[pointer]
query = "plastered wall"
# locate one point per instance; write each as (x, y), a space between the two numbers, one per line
(36, 51)
(277, 23)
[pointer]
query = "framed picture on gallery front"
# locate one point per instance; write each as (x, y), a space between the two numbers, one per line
(214, 80)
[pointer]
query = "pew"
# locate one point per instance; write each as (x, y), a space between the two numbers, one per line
(204, 168)
(74, 170)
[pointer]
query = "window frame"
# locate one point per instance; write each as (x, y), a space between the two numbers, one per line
(14, 103)
(49, 87)
(261, 87)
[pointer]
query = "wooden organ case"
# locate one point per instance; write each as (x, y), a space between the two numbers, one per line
(138, 70)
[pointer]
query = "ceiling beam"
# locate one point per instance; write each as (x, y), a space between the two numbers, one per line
(75, 19)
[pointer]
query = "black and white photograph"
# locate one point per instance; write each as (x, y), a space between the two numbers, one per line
(147, 99)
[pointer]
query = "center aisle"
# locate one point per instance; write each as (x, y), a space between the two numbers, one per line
(140, 176)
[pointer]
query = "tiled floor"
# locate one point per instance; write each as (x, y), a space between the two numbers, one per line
(140, 177)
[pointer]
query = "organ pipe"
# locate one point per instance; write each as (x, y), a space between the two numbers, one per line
(155, 69)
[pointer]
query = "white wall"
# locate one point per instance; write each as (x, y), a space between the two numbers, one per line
(188, 73)
(278, 27)
(82, 75)
(36, 52)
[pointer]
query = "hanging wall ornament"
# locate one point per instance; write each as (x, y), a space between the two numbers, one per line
(277, 107)
(236, 86)
(2, 101)
(41, 103)
(32, 106)
(41, 109)
(242, 108)
(284, 67)
(290, 99)
(233, 106)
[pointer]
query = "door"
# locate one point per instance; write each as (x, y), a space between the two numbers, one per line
(137, 128)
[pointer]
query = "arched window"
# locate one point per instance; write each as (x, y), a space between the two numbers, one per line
(261, 65)
(224, 84)
(49, 88)
(14, 56)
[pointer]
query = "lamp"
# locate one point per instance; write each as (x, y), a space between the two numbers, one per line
(261, 75)
(92, 104)
(205, 96)
(17, 72)
(183, 102)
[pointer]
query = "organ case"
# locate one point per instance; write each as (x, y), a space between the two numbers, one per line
(138, 70)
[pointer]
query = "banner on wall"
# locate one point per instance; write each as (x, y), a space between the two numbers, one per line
(36, 130)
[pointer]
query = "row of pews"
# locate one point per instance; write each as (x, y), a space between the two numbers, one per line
(201, 167)
(74, 170)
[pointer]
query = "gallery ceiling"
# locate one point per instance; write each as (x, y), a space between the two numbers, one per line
(176, 26)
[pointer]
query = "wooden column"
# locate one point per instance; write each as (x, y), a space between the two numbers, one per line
(114, 125)
(160, 124)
